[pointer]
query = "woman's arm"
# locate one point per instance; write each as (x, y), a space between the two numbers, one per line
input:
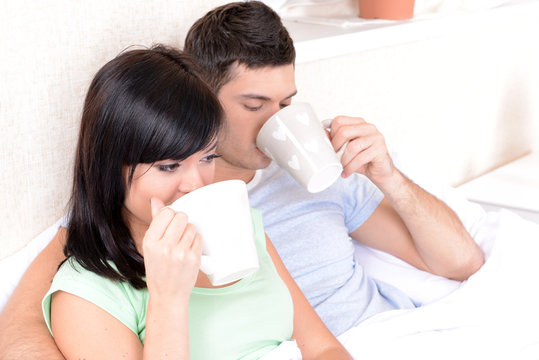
(312, 336)
(83, 330)
(172, 250)
(23, 332)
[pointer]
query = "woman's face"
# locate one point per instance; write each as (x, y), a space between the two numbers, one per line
(167, 180)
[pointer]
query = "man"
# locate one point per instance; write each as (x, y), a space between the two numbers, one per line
(247, 56)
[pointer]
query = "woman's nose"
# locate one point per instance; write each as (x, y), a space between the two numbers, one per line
(191, 180)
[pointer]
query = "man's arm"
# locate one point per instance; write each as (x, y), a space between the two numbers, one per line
(409, 223)
(24, 334)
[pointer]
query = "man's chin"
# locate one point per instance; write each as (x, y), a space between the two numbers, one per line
(264, 160)
(265, 163)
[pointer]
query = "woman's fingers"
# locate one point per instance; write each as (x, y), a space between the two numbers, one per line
(196, 246)
(156, 205)
(172, 253)
(158, 226)
(175, 229)
(170, 228)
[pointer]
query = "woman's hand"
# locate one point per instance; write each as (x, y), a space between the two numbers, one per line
(172, 250)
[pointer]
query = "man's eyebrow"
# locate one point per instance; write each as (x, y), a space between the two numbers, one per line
(264, 98)
(289, 96)
(255, 97)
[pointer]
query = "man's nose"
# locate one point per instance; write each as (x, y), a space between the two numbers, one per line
(274, 108)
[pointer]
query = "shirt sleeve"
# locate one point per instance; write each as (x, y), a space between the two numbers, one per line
(111, 296)
(361, 198)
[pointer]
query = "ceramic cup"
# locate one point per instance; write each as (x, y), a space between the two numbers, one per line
(297, 141)
(221, 214)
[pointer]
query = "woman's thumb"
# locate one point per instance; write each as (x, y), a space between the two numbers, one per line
(157, 205)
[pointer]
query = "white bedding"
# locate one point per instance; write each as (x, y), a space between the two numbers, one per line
(13, 267)
(493, 315)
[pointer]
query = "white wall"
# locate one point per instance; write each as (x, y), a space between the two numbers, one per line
(460, 103)
(50, 52)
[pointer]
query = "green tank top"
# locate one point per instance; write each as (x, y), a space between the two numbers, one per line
(245, 320)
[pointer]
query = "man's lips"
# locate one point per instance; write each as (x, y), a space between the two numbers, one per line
(261, 152)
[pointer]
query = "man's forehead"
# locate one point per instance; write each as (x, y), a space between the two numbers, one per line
(262, 82)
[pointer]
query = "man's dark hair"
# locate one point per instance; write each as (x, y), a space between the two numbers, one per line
(242, 33)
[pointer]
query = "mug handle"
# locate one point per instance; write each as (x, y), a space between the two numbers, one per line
(327, 124)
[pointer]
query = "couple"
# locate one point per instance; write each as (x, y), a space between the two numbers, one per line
(247, 58)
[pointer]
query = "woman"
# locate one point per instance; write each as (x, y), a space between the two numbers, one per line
(131, 286)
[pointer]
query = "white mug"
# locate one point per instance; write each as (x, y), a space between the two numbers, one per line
(297, 141)
(221, 215)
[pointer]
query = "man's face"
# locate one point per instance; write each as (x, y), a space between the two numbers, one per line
(249, 100)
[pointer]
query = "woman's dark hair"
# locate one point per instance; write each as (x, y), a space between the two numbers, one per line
(143, 106)
(248, 33)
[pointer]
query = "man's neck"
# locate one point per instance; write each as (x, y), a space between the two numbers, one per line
(226, 171)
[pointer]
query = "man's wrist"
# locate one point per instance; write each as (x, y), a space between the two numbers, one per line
(392, 185)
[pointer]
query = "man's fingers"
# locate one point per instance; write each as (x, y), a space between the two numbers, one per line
(358, 163)
(346, 133)
(357, 146)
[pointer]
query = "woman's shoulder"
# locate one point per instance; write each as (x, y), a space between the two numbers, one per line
(73, 274)
(119, 299)
(72, 269)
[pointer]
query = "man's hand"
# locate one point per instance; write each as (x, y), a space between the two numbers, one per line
(365, 149)
(410, 223)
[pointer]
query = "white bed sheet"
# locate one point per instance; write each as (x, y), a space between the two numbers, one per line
(492, 315)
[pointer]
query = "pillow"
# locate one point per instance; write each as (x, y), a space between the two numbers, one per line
(13, 267)
(421, 286)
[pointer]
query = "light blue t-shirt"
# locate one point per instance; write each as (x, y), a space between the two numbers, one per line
(311, 234)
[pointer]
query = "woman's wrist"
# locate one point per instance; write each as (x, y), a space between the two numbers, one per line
(177, 301)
